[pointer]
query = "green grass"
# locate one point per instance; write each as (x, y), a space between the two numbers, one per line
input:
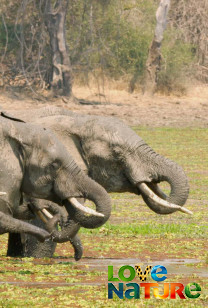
(133, 231)
(179, 230)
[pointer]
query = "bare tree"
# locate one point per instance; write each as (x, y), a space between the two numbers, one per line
(154, 56)
(55, 20)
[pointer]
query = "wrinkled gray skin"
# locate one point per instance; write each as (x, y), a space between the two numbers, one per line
(35, 163)
(113, 154)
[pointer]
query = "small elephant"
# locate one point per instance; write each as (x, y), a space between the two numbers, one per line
(35, 163)
(116, 157)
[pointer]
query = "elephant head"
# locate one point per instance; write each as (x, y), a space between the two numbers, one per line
(49, 172)
(113, 149)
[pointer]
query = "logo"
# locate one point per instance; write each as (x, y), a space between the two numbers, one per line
(158, 273)
(146, 272)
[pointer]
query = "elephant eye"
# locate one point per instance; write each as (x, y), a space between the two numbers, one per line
(52, 168)
(55, 165)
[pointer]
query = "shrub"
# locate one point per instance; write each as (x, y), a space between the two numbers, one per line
(177, 61)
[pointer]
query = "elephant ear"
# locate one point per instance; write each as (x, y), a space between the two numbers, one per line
(10, 117)
(21, 140)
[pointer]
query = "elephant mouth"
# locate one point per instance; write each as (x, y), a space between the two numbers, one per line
(157, 200)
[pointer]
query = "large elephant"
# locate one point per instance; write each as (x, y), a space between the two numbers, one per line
(35, 163)
(116, 157)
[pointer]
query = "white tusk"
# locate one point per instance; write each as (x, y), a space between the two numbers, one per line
(149, 193)
(2, 193)
(47, 213)
(84, 209)
(158, 191)
(42, 217)
(44, 214)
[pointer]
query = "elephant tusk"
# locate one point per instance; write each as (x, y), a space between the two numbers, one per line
(44, 214)
(2, 193)
(84, 209)
(163, 203)
(156, 189)
(42, 217)
(47, 213)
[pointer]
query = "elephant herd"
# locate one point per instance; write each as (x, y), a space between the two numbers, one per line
(52, 160)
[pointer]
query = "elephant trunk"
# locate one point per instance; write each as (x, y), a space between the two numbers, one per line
(97, 194)
(68, 231)
(80, 185)
(176, 177)
(172, 173)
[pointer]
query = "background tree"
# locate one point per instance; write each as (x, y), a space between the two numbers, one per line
(55, 20)
(101, 40)
(153, 64)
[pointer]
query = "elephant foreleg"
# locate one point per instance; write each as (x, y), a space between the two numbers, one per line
(15, 247)
(29, 246)
(13, 225)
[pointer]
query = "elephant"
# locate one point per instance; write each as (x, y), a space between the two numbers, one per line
(114, 156)
(36, 164)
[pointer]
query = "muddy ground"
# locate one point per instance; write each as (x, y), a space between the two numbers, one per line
(135, 109)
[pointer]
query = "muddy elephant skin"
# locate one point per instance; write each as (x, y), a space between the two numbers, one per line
(35, 163)
(114, 156)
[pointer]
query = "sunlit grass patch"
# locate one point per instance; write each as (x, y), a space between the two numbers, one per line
(180, 230)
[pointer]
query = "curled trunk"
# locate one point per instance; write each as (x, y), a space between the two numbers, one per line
(97, 194)
(172, 173)
(79, 185)
(68, 231)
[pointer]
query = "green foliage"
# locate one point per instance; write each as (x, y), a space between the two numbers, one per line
(8, 34)
(113, 37)
(105, 36)
(177, 63)
(129, 50)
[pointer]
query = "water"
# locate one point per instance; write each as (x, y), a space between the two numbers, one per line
(182, 267)
(185, 267)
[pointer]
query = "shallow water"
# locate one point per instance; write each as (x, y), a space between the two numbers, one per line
(185, 267)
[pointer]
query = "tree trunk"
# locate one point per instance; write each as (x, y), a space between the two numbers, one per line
(154, 56)
(55, 19)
